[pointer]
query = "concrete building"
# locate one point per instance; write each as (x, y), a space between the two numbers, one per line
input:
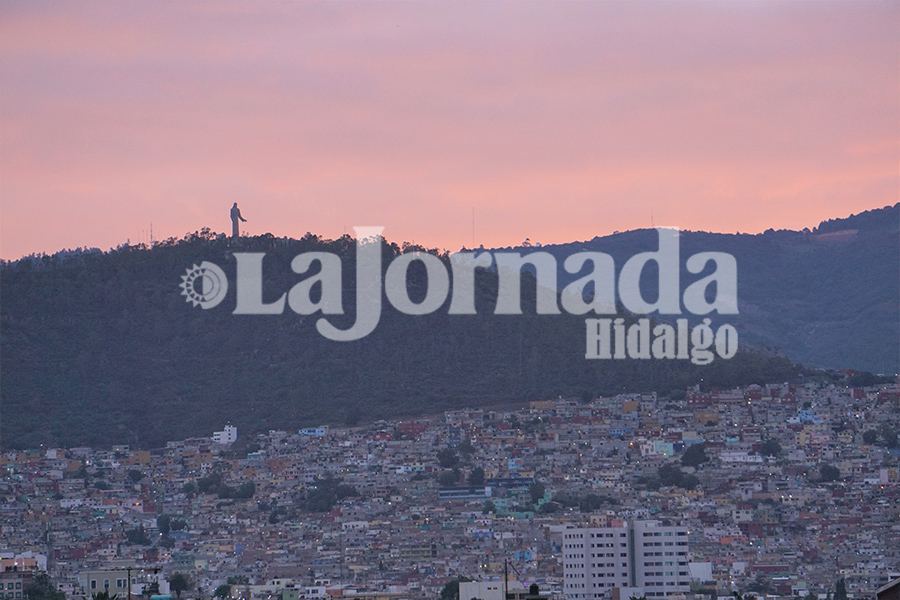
(15, 576)
(111, 581)
(226, 436)
(595, 560)
(489, 589)
(644, 555)
(661, 558)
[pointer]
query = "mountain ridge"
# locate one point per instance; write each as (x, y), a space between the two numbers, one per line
(827, 297)
(100, 348)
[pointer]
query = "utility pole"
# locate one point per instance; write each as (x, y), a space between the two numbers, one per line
(128, 570)
(342, 557)
(505, 579)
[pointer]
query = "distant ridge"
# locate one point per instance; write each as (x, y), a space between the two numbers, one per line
(826, 297)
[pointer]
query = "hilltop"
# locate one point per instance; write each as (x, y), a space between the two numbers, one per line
(100, 348)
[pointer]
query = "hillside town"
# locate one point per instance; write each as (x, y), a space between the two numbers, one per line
(775, 491)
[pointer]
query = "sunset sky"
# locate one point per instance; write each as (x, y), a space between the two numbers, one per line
(553, 121)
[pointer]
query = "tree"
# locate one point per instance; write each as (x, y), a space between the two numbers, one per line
(104, 595)
(82, 472)
(537, 491)
(761, 585)
(210, 483)
(447, 458)
(534, 590)
(488, 507)
(689, 482)
(164, 524)
(327, 492)
(244, 491)
(771, 448)
(450, 591)
(41, 588)
(592, 502)
(840, 589)
(134, 475)
(670, 475)
(137, 536)
(870, 437)
(476, 477)
(829, 473)
(447, 478)
(694, 456)
(550, 507)
(223, 591)
(178, 583)
(888, 436)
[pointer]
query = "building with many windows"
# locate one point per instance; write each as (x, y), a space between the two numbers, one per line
(227, 436)
(645, 556)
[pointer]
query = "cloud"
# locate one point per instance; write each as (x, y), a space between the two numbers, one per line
(555, 122)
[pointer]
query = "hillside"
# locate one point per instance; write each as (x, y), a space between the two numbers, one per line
(827, 297)
(100, 348)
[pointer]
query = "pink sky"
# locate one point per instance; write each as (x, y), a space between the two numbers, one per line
(554, 121)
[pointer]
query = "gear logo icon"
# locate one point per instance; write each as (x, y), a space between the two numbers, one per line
(204, 285)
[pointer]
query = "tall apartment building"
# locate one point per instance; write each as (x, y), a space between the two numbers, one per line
(661, 559)
(643, 557)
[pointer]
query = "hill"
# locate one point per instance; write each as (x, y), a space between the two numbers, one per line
(100, 348)
(826, 297)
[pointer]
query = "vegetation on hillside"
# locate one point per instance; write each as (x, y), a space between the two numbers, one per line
(826, 297)
(100, 348)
